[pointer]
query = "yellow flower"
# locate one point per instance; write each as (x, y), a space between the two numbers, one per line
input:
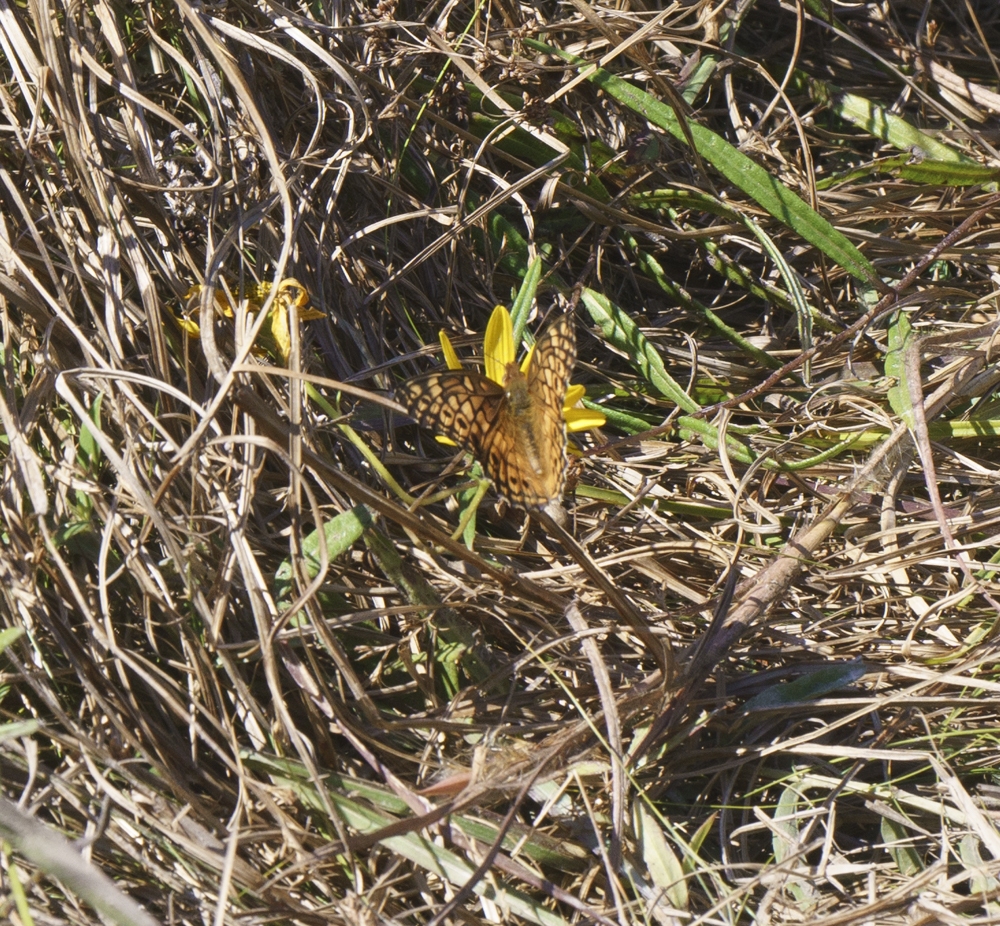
(291, 294)
(499, 350)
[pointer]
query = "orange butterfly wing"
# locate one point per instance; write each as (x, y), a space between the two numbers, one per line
(516, 431)
(548, 379)
(458, 404)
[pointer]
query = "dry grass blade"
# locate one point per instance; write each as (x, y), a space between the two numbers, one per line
(48, 850)
(269, 653)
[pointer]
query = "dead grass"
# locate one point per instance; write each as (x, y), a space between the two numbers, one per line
(253, 682)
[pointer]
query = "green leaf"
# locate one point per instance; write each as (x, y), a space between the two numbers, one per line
(787, 844)
(665, 870)
(469, 501)
(897, 843)
(509, 243)
(691, 861)
(88, 443)
(981, 881)
(18, 729)
(9, 635)
(618, 329)
(809, 687)
(917, 170)
(735, 166)
(525, 299)
(785, 826)
(892, 129)
(900, 397)
(340, 534)
(20, 897)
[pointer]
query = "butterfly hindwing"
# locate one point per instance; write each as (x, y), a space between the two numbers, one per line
(552, 363)
(511, 468)
(548, 378)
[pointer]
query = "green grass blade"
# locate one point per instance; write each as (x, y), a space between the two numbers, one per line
(339, 533)
(900, 397)
(618, 329)
(878, 121)
(736, 167)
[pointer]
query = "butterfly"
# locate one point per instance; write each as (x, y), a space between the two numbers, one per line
(516, 431)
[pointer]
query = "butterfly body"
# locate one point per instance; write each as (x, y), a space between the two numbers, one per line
(516, 430)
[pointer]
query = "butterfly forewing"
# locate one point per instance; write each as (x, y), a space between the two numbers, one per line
(516, 431)
(457, 404)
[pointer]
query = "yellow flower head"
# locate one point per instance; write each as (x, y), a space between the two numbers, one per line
(499, 350)
(291, 295)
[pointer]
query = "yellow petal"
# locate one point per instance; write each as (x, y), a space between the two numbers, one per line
(188, 326)
(279, 330)
(450, 357)
(222, 305)
(498, 346)
(292, 291)
(582, 419)
(291, 296)
(527, 359)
